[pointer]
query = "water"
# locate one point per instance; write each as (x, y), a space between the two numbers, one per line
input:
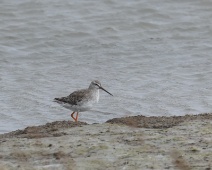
(155, 58)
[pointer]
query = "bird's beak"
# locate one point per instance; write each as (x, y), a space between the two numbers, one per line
(105, 90)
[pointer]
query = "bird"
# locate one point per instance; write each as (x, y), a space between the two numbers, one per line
(82, 100)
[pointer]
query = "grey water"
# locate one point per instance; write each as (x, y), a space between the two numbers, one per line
(154, 57)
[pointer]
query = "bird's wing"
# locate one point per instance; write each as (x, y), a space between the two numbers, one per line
(73, 98)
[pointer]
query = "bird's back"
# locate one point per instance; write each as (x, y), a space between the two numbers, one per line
(74, 98)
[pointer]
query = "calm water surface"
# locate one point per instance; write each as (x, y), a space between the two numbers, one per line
(155, 58)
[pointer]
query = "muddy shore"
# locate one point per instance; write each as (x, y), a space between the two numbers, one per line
(137, 142)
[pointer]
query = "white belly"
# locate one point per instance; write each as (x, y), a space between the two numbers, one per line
(78, 108)
(84, 105)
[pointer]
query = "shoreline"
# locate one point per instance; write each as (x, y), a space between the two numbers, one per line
(136, 142)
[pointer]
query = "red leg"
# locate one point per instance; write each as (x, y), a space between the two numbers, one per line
(72, 115)
(76, 117)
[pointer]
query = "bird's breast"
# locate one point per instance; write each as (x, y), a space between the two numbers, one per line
(95, 96)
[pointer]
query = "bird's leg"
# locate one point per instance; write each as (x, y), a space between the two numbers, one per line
(72, 115)
(76, 117)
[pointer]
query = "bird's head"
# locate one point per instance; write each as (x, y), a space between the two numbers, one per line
(97, 85)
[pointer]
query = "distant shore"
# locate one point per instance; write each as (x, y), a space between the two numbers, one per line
(137, 142)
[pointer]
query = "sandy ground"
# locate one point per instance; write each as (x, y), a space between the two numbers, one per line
(139, 142)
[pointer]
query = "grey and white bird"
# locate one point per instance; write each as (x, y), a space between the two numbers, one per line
(82, 100)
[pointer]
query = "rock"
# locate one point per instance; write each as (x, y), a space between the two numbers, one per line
(138, 142)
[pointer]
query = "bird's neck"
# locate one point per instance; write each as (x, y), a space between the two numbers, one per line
(95, 94)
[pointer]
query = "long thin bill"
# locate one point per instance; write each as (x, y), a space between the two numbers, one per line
(105, 90)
